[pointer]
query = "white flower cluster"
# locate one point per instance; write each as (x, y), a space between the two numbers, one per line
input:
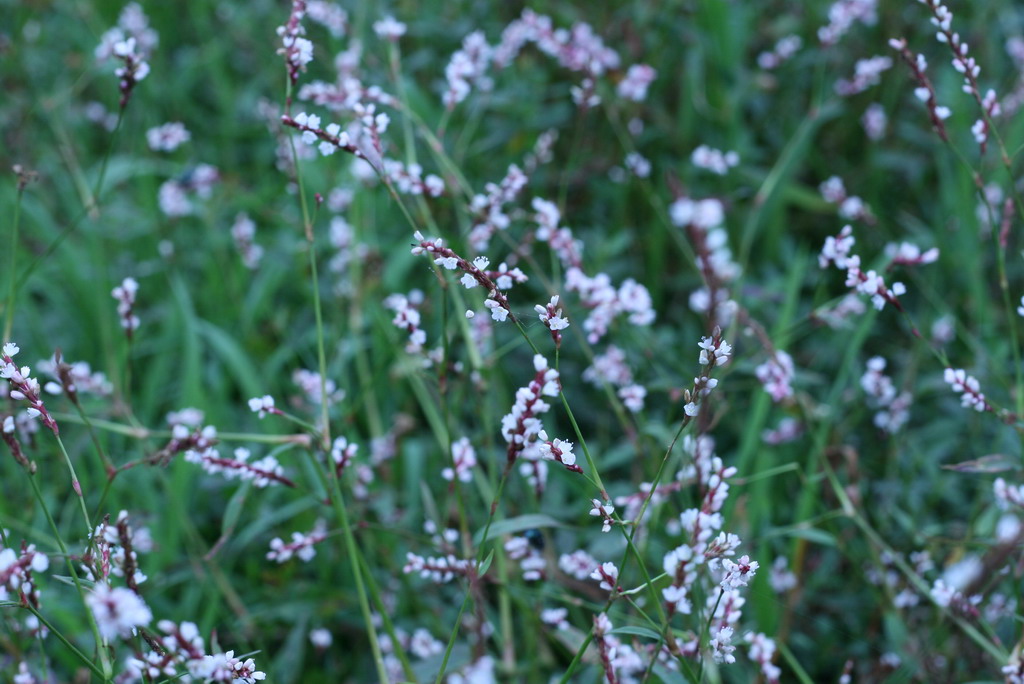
(785, 48)
(603, 510)
(464, 459)
(837, 250)
(262, 473)
(131, 23)
(409, 178)
(762, 651)
(713, 160)
(313, 387)
(16, 572)
(522, 425)
(302, 546)
(440, 570)
(262, 406)
(328, 14)
(407, 318)
(118, 611)
(893, 406)
(909, 254)
(611, 367)
(866, 73)
(607, 302)
(82, 378)
(183, 646)
(531, 560)
(560, 239)
(297, 51)
(117, 548)
(23, 387)
(620, 661)
(875, 121)
(243, 232)
(389, 28)
(968, 387)
(775, 375)
(175, 195)
(578, 564)
(608, 575)
(125, 295)
(168, 137)
(704, 220)
(551, 315)
(841, 16)
(489, 208)
(468, 68)
(331, 138)
(637, 80)
(851, 207)
(701, 547)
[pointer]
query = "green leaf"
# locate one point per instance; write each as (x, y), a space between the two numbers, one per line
(517, 524)
(638, 631)
(482, 570)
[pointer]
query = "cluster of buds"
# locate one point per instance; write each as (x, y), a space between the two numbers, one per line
(408, 179)
(557, 450)
(703, 221)
(243, 232)
(130, 41)
(489, 207)
(16, 573)
(331, 138)
(125, 295)
(302, 546)
(466, 68)
(559, 239)
(837, 250)
(183, 647)
(968, 387)
(342, 453)
(713, 160)
(841, 17)
(925, 91)
(116, 552)
(407, 318)
(775, 375)
(262, 473)
(551, 317)
(784, 49)
(474, 274)
(23, 387)
(608, 575)
(616, 658)
(603, 510)
(522, 426)
(866, 73)
(527, 551)
(297, 51)
(440, 570)
(168, 137)
(714, 352)
(851, 207)
(264, 406)
(118, 611)
(893, 406)
(635, 83)
(463, 462)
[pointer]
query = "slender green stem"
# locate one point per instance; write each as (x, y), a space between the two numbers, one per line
(330, 480)
(12, 273)
(64, 640)
(104, 660)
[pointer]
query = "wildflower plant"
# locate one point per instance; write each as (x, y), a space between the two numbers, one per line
(568, 343)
